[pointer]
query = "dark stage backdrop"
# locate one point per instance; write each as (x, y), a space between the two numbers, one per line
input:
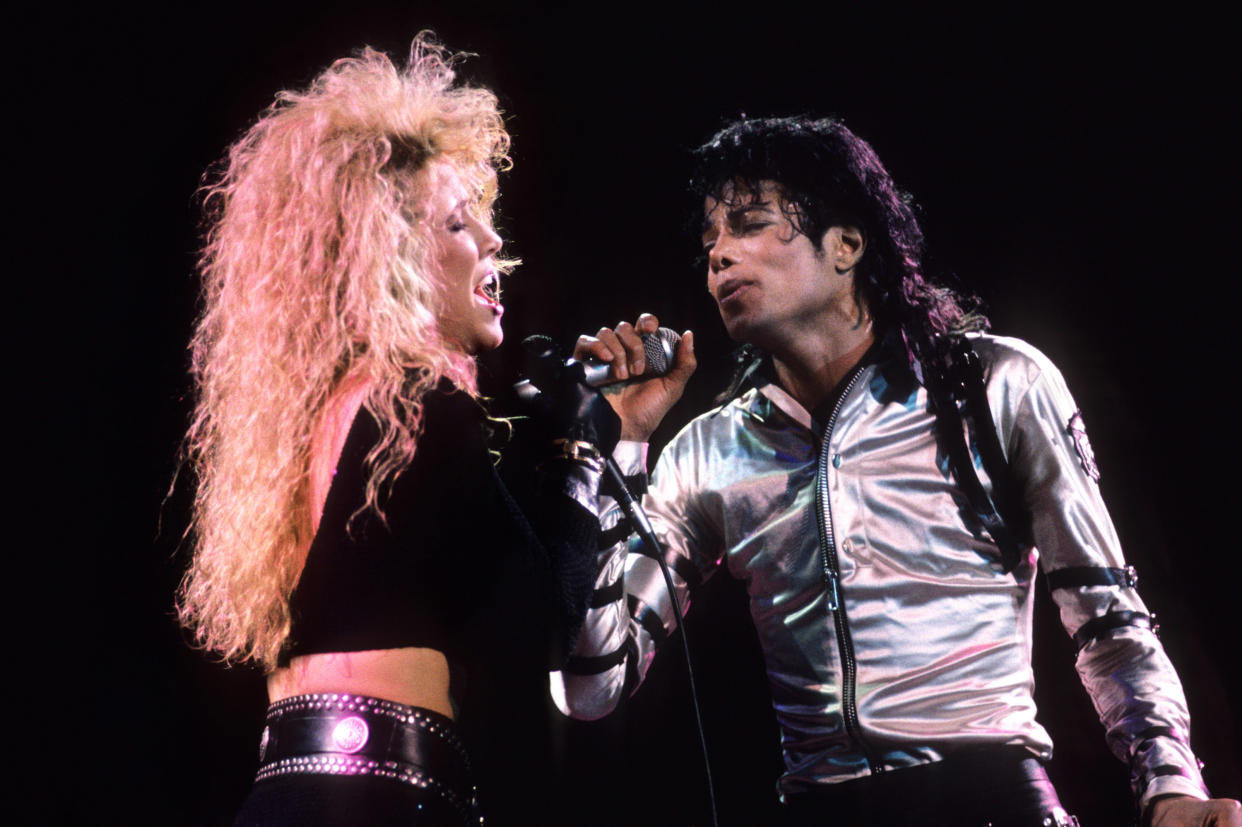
(1075, 172)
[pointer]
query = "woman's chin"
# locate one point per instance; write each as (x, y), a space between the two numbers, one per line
(489, 336)
(479, 342)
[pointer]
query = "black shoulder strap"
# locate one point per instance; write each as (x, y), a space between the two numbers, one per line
(1003, 513)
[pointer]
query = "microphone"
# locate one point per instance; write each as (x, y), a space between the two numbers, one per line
(544, 360)
(658, 348)
(544, 364)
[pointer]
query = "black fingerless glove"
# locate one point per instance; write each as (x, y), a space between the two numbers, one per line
(569, 410)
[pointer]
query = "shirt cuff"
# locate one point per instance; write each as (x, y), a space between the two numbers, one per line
(1171, 785)
(631, 457)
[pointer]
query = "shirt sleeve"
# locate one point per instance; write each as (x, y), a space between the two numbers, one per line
(631, 613)
(1121, 663)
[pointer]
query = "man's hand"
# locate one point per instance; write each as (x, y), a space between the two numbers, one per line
(641, 405)
(1183, 811)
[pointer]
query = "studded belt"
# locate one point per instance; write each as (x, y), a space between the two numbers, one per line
(341, 734)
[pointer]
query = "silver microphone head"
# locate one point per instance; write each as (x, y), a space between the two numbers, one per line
(659, 348)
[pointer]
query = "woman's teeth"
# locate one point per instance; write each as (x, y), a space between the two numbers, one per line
(489, 289)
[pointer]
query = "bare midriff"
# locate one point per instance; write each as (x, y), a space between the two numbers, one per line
(411, 676)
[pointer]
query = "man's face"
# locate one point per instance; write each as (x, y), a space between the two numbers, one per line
(770, 283)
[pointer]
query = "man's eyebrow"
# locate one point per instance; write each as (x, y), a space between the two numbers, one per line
(742, 209)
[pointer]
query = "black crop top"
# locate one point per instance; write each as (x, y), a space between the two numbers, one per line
(458, 568)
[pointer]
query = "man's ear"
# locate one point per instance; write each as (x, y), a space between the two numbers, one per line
(845, 245)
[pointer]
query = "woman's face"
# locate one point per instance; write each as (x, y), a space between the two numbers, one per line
(463, 246)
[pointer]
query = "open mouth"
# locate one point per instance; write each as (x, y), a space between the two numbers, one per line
(489, 290)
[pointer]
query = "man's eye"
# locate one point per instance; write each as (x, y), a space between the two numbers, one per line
(753, 226)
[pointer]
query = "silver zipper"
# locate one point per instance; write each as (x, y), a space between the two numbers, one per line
(832, 580)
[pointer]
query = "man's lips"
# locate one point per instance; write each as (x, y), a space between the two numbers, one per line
(731, 291)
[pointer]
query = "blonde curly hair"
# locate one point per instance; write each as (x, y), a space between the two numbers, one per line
(315, 270)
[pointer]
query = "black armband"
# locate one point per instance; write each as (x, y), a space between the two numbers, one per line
(594, 664)
(681, 565)
(637, 483)
(614, 535)
(1080, 576)
(608, 594)
(1148, 734)
(1097, 627)
(649, 620)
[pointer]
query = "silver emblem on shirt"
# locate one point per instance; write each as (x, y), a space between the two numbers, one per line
(1078, 430)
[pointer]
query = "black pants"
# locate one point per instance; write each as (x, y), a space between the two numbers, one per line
(337, 800)
(1002, 786)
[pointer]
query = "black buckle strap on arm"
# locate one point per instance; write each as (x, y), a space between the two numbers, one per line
(1097, 627)
(609, 594)
(1002, 514)
(595, 664)
(1076, 577)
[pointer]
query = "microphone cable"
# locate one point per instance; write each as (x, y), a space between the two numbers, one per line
(642, 525)
(659, 348)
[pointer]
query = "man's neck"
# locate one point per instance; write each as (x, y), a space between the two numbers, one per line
(811, 371)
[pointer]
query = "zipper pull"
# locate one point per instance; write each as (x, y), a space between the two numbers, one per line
(834, 599)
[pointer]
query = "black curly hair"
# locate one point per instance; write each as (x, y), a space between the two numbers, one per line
(828, 176)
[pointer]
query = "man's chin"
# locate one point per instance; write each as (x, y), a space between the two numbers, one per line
(745, 331)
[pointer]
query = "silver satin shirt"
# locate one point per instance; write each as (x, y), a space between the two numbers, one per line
(941, 637)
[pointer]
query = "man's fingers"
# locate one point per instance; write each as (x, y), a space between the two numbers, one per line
(617, 353)
(622, 347)
(589, 347)
(634, 354)
(647, 323)
(684, 361)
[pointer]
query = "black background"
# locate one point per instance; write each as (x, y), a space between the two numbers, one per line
(1076, 171)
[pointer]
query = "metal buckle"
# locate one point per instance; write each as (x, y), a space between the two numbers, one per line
(1059, 818)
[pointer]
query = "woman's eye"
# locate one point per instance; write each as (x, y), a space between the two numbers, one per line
(456, 226)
